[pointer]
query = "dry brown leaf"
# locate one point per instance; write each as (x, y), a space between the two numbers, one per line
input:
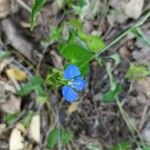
(73, 107)
(133, 8)
(16, 74)
(2, 127)
(4, 63)
(4, 8)
(146, 132)
(21, 128)
(12, 105)
(16, 141)
(34, 129)
(25, 24)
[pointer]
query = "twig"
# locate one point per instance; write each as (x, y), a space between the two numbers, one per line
(24, 5)
(143, 117)
(132, 128)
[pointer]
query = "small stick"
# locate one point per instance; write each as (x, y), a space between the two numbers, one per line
(142, 121)
(24, 5)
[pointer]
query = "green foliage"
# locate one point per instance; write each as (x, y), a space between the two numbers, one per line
(54, 36)
(112, 81)
(116, 58)
(4, 54)
(115, 88)
(146, 148)
(27, 119)
(112, 94)
(140, 34)
(35, 10)
(53, 138)
(36, 84)
(55, 78)
(94, 42)
(122, 146)
(137, 71)
(64, 135)
(10, 118)
(76, 24)
(77, 55)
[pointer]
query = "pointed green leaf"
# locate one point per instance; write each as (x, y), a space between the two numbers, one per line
(10, 118)
(25, 90)
(35, 10)
(64, 135)
(122, 146)
(146, 148)
(110, 95)
(53, 138)
(94, 42)
(35, 84)
(137, 71)
(4, 54)
(77, 55)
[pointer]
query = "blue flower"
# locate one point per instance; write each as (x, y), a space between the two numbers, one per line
(75, 85)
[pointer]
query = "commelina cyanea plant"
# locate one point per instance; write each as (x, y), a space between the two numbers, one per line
(76, 83)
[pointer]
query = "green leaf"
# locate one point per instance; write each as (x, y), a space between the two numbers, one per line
(137, 71)
(65, 136)
(42, 95)
(26, 89)
(110, 95)
(10, 118)
(54, 79)
(116, 58)
(122, 146)
(4, 54)
(76, 24)
(82, 2)
(37, 80)
(77, 55)
(27, 119)
(35, 10)
(54, 36)
(32, 85)
(53, 138)
(94, 42)
(146, 148)
(36, 84)
(112, 81)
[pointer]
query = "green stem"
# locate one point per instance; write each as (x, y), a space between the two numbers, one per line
(132, 128)
(138, 24)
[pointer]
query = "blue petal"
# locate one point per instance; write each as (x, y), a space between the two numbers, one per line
(71, 72)
(79, 84)
(69, 94)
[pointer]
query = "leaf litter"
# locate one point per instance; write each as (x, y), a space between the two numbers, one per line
(95, 124)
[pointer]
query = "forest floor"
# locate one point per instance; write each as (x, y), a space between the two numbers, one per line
(96, 125)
